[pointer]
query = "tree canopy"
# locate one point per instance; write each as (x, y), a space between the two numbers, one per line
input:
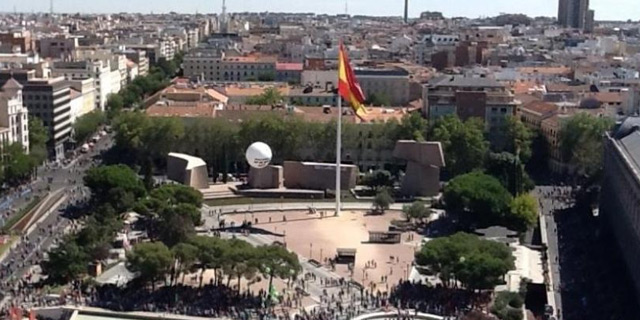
(88, 124)
(416, 211)
(377, 179)
(510, 171)
(382, 201)
(270, 96)
(117, 185)
(524, 212)
(467, 259)
(478, 199)
(464, 144)
(152, 260)
(581, 142)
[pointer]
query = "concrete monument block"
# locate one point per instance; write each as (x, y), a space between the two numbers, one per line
(270, 177)
(188, 170)
(424, 160)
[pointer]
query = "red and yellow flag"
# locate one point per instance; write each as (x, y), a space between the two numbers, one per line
(348, 86)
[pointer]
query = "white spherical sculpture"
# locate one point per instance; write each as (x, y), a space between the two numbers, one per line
(258, 155)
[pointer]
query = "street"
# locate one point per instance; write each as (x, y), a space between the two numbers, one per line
(30, 249)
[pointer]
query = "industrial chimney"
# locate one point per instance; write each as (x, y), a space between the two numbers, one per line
(406, 11)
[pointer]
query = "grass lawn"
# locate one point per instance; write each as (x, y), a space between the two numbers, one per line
(15, 218)
(4, 247)
(347, 197)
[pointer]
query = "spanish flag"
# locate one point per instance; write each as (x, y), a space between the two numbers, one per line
(348, 86)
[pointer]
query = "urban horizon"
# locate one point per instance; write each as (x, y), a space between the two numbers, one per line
(548, 9)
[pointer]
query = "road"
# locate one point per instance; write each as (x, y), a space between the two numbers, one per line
(549, 201)
(31, 247)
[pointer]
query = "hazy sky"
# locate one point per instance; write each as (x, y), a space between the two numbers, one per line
(605, 9)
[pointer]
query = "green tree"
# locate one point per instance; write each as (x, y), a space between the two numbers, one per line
(416, 211)
(524, 212)
(38, 138)
(378, 99)
(277, 261)
(186, 256)
(115, 102)
(382, 201)
(412, 127)
(88, 124)
(18, 166)
(510, 171)
(475, 263)
(478, 199)
(378, 179)
(211, 253)
(270, 96)
(152, 260)
(581, 142)
(514, 137)
(66, 262)
(464, 144)
(117, 185)
(508, 306)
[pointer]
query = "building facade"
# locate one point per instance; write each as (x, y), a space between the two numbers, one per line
(50, 100)
(14, 123)
(621, 192)
(468, 97)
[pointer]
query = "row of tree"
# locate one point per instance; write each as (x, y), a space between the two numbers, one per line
(143, 86)
(170, 214)
(221, 144)
(230, 258)
(88, 124)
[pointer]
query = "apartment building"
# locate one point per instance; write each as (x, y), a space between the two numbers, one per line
(213, 66)
(57, 48)
(19, 41)
(469, 97)
(50, 100)
(140, 58)
(105, 80)
(83, 97)
(14, 123)
(391, 84)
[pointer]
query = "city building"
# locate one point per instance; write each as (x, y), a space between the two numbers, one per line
(14, 123)
(468, 97)
(214, 66)
(574, 14)
(50, 100)
(140, 58)
(621, 192)
(105, 80)
(19, 41)
(61, 47)
(83, 97)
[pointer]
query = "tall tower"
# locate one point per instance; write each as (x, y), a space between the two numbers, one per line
(406, 11)
(224, 25)
(346, 7)
(50, 7)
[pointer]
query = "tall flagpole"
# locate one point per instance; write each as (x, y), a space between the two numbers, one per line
(338, 153)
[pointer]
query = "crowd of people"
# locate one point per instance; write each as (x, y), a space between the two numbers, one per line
(436, 299)
(207, 301)
(594, 281)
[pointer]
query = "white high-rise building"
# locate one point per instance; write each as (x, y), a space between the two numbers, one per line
(14, 121)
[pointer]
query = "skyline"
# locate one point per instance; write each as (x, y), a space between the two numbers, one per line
(605, 9)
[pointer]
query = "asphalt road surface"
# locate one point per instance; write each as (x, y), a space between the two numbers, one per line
(32, 247)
